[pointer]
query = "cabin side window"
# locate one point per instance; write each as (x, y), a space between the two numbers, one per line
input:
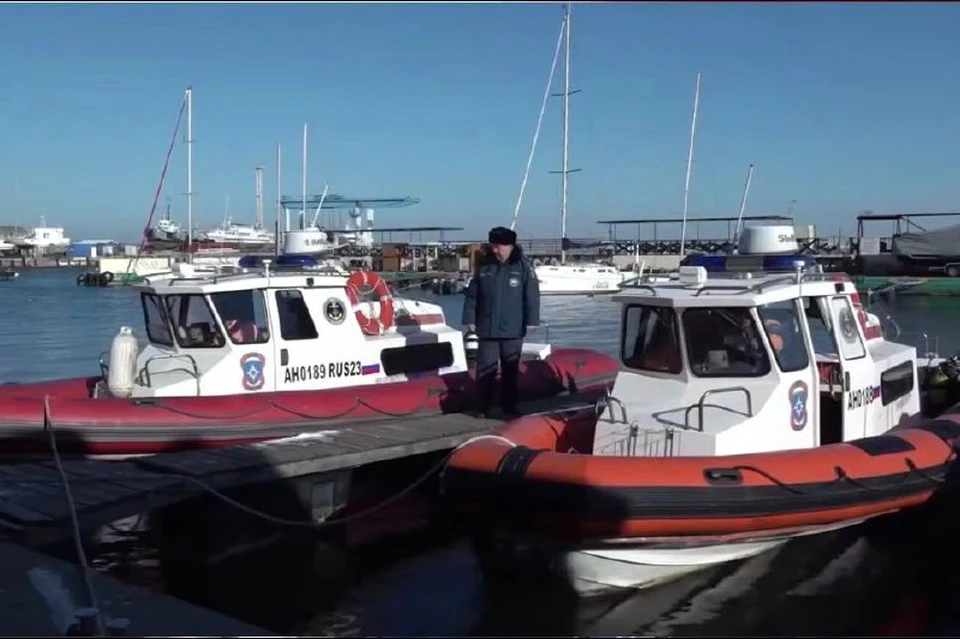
(244, 316)
(848, 336)
(155, 320)
(819, 327)
(896, 382)
(724, 342)
(295, 320)
(193, 323)
(781, 323)
(650, 340)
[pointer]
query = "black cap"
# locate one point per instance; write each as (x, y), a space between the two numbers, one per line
(502, 235)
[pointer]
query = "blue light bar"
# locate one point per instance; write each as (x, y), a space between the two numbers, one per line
(743, 263)
(296, 261)
(250, 261)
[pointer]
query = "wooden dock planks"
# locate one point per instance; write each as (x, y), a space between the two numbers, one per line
(33, 505)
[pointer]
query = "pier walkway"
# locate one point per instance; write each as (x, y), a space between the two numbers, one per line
(34, 510)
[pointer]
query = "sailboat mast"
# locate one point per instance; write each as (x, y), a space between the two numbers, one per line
(259, 172)
(303, 178)
(566, 136)
(279, 197)
(189, 174)
(743, 204)
(686, 183)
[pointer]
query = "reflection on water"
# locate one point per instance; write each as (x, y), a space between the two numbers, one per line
(848, 582)
(844, 582)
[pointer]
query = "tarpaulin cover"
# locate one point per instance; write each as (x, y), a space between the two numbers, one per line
(941, 242)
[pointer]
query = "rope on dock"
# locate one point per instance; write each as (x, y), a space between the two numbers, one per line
(74, 521)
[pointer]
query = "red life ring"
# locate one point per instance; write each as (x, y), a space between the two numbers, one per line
(371, 325)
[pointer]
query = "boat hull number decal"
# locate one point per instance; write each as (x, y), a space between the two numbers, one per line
(330, 370)
(860, 397)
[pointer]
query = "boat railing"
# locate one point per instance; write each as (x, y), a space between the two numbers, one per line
(914, 337)
(700, 405)
(608, 401)
(637, 283)
(144, 379)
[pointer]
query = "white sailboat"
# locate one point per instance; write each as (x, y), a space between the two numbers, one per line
(569, 278)
(244, 235)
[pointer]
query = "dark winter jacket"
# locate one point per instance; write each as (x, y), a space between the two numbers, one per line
(502, 300)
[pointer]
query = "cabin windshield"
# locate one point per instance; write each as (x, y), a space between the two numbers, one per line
(650, 339)
(244, 316)
(155, 320)
(193, 322)
(724, 342)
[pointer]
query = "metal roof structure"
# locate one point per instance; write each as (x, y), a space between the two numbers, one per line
(334, 201)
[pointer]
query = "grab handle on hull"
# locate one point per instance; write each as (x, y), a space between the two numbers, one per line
(723, 476)
(700, 405)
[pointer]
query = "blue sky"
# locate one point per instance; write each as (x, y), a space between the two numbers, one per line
(842, 107)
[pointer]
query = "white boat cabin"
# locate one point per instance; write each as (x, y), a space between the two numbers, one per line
(749, 354)
(280, 327)
(578, 279)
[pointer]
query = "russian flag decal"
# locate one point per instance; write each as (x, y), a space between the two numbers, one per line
(370, 369)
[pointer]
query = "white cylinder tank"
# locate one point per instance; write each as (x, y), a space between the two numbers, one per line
(763, 240)
(123, 363)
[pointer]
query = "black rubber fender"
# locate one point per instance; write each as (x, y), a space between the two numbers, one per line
(81, 279)
(89, 279)
(108, 275)
(102, 279)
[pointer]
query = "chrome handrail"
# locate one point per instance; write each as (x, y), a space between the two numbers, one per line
(700, 405)
(143, 377)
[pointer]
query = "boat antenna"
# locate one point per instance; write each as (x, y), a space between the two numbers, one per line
(323, 197)
(566, 171)
(189, 175)
(536, 133)
(743, 205)
(686, 182)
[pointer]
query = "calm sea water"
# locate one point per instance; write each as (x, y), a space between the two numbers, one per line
(840, 583)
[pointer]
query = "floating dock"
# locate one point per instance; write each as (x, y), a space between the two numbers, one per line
(34, 510)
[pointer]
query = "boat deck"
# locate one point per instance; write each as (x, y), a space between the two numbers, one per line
(40, 595)
(34, 509)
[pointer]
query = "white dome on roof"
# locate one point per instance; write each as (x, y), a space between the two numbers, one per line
(767, 240)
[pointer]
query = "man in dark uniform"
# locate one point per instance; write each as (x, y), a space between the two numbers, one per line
(503, 299)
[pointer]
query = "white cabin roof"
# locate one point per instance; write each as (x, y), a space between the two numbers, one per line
(734, 289)
(207, 284)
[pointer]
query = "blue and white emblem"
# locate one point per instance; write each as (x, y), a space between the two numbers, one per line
(798, 405)
(252, 366)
